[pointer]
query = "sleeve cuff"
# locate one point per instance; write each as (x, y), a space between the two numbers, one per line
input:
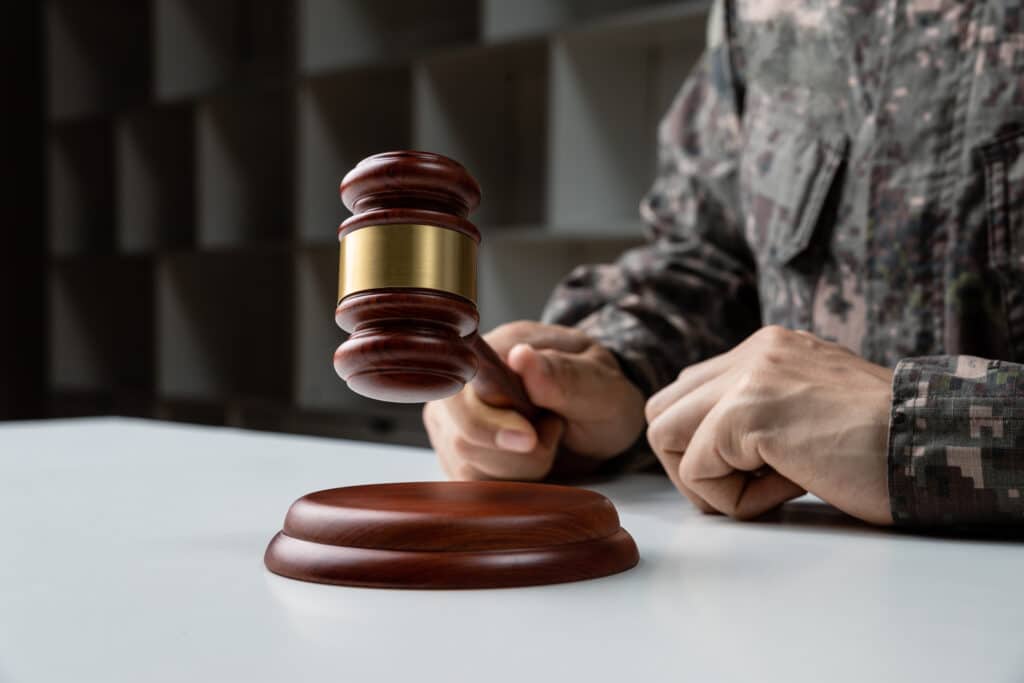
(956, 442)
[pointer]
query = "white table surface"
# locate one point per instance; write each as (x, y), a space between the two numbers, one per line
(132, 551)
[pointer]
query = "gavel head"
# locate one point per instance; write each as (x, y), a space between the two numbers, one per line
(407, 278)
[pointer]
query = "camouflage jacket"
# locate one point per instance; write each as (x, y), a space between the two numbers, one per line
(854, 168)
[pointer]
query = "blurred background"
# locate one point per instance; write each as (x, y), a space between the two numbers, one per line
(171, 186)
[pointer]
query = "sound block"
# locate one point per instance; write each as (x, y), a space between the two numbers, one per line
(451, 535)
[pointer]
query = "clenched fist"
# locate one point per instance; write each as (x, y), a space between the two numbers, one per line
(782, 413)
(592, 411)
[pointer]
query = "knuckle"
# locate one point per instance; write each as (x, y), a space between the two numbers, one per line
(759, 443)
(688, 473)
(750, 380)
(773, 335)
(650, 412)
(462, 446)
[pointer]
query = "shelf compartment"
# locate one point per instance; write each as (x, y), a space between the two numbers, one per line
(487, 107)
(155, 179)
(244, 161)
(80, 176)
(101, 325)
(97, 56)
(501, 19)
(224, 324)
(611, 85)
(516, 275)
(341, 120)
(338, 34)
(202, 46)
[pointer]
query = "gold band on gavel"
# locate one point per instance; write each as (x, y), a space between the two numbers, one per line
(407, 256)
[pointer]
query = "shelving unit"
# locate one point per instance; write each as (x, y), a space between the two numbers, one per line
(334, 135)
(244, 167)
(98, 56)
(156, 193)
(223, 324)
(487, 107)
(202, 46)
(612, 82)
(80, 182)
(195, 151)
(338, 34)
(501, 19)
(101, 331)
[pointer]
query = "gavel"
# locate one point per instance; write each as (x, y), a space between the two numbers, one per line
(407, 285)
(407, 298)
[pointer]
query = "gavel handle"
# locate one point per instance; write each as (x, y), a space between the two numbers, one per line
(496, 384)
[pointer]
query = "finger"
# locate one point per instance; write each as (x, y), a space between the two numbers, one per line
(452, 464)
(670, 462)
(743, 495)
(533, 466)
(538, 335)
(484, 425)
(566, 383)
(672, 431)
(670, 459)
(689, 380)
(719, 469)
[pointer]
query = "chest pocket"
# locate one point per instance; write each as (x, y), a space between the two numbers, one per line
(787, 174)
(1004, 204)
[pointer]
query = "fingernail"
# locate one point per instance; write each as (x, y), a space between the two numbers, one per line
(512, 440)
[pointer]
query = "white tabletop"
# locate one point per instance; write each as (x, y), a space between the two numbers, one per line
(132, 551)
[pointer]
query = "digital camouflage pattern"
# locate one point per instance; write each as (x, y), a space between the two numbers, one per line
(956, 441)
(854, 168)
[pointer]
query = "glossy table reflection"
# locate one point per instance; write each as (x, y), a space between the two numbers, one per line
(133, 552)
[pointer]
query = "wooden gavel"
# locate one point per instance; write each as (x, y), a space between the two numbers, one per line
(407, 285)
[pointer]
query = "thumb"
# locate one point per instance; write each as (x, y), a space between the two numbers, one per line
(556, 380)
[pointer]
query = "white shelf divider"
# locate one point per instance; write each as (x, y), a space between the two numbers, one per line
(244, 158)
(611, 85)
(155, 171)
(342, 119)
(486, 108)
(336, 34)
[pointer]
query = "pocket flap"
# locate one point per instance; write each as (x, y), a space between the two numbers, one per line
(1003, 160)
(787, 176)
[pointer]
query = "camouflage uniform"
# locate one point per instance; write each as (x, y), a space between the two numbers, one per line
(854, 168)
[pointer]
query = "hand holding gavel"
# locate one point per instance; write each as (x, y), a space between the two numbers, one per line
(407, 295)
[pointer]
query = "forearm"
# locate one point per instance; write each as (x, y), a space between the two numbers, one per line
(660, 307)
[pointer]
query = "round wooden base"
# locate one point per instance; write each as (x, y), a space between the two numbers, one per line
(451, 535)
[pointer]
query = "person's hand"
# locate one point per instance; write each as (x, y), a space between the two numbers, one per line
(593, 411)
(782, 413)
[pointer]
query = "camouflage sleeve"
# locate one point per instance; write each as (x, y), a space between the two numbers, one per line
(690, 292)
(956, 442)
